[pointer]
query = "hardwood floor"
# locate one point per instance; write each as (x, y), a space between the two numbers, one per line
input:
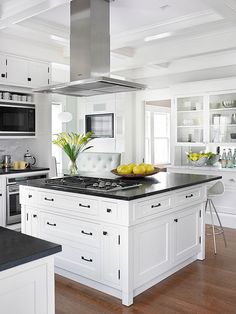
(200, 288)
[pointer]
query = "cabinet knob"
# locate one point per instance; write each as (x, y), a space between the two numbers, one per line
(29, 196)
(176, 220)
(104, 233)
(35, 216)
(108, 210)
(29, 79)
(3, 75)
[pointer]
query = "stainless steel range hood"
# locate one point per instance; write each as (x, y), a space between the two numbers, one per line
(90, 53)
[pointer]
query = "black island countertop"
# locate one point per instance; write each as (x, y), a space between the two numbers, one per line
(5, 171)
(17, 248)
(159, 183)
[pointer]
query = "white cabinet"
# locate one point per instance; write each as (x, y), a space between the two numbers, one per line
(23, 72)
(32, 223)
(151, 250)
(110, 256)
(17, 71)
(3, 69)
(38, 73)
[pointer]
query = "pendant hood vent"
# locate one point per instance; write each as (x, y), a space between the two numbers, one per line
(90, 53)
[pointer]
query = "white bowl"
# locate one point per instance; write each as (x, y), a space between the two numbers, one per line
(198, 163)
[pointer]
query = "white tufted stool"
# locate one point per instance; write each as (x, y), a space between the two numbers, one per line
(216, 190)
(98, 162)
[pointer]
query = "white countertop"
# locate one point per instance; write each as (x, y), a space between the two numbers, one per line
(206, 168)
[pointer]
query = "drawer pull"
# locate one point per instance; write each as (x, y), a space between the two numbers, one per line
(49, 199)
(157, 205)
(87, 260)
(108, 210)
(188, 196)
(87, 233)
(48, 223)
(104, 233)
(29, 196)
(35, 216)
(176, 220)
(86, 206)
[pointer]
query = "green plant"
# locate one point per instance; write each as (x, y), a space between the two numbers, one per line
(73, 143)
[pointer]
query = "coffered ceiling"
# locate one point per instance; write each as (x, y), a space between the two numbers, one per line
(192, 36)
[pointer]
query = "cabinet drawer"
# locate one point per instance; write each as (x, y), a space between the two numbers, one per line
(29, 197)
(80, 259)
(152, 207)
(187, 196)
(108, 211)
(82, 205)
(73, 230)
(229, 180)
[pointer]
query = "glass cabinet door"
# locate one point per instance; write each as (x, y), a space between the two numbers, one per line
(190, 122)
(222, 118)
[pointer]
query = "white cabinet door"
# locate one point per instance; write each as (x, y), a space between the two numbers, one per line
(186, 228)
(3, 69)
(110, 256)
(17, 71)
(38, 74)
(151, 250)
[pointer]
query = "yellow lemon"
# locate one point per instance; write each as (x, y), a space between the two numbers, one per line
(149, 168)
(125, 170)
(140, 169)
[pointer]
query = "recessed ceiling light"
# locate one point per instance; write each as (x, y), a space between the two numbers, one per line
(158, 36)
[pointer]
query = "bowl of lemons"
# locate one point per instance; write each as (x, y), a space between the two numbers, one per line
(135, 170)
(197, 159)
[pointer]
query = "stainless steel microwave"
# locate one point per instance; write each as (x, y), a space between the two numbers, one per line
(17, 120)
(102, 125)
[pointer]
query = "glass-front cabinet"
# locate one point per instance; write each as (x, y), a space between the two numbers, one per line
(190, 119)
(222, 118)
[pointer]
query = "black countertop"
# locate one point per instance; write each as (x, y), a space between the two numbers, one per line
(12, 171)
(17, 248)
(159, 183)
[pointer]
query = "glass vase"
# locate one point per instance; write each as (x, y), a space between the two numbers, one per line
(72, 167)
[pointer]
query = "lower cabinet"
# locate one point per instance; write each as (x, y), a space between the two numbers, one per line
(161, 244)
(32, 223)
(186, 231)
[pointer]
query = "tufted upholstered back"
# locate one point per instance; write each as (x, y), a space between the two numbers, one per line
(98, 162)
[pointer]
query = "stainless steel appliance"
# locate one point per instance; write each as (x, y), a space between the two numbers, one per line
(30, 159)
(102, 125)
(92, 184)
(13, 208)
(90, 53)
(17, 120)
(6, 161)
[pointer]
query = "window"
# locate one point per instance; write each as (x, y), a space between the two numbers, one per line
(56, 128)
(157, 135)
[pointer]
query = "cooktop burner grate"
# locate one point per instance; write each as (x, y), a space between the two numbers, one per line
(91, 183)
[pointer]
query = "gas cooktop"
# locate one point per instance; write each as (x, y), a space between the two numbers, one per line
(91, 183)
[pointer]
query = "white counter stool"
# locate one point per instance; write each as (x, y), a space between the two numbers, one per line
(216, 190)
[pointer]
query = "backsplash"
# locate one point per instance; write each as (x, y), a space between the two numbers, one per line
(15, 148)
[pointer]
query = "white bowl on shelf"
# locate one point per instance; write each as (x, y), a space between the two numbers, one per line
(198, 163)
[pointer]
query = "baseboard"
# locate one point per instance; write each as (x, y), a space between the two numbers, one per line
(227, 220)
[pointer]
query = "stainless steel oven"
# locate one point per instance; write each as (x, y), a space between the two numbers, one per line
(13, 207)
(17, 120)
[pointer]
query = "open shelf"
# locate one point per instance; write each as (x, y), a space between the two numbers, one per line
(5, 101)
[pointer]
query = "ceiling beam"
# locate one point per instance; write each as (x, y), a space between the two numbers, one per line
(33, 9)
(226, 8)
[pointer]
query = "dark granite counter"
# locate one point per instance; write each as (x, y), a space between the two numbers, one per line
(12, 171)
(17, 248)
(159, 183)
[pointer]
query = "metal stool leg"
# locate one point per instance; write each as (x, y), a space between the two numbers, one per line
(222, 229)
(213, 226)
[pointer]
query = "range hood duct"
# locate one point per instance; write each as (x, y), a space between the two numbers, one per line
(90, 53)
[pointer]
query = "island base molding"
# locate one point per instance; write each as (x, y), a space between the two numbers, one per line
(126, 299)
(29, 288)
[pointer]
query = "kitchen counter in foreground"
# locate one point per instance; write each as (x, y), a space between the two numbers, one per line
(26, 274)
(8, 171)
(160, 183)
(121, 242)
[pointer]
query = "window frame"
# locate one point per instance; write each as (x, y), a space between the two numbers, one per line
(151, 139)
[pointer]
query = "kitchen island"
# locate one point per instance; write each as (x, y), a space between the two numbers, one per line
(26, 274)
(120, 242)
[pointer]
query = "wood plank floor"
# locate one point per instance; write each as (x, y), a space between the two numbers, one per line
(200, 288)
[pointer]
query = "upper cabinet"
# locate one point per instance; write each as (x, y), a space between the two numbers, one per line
(3, 69)
(19, 71)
